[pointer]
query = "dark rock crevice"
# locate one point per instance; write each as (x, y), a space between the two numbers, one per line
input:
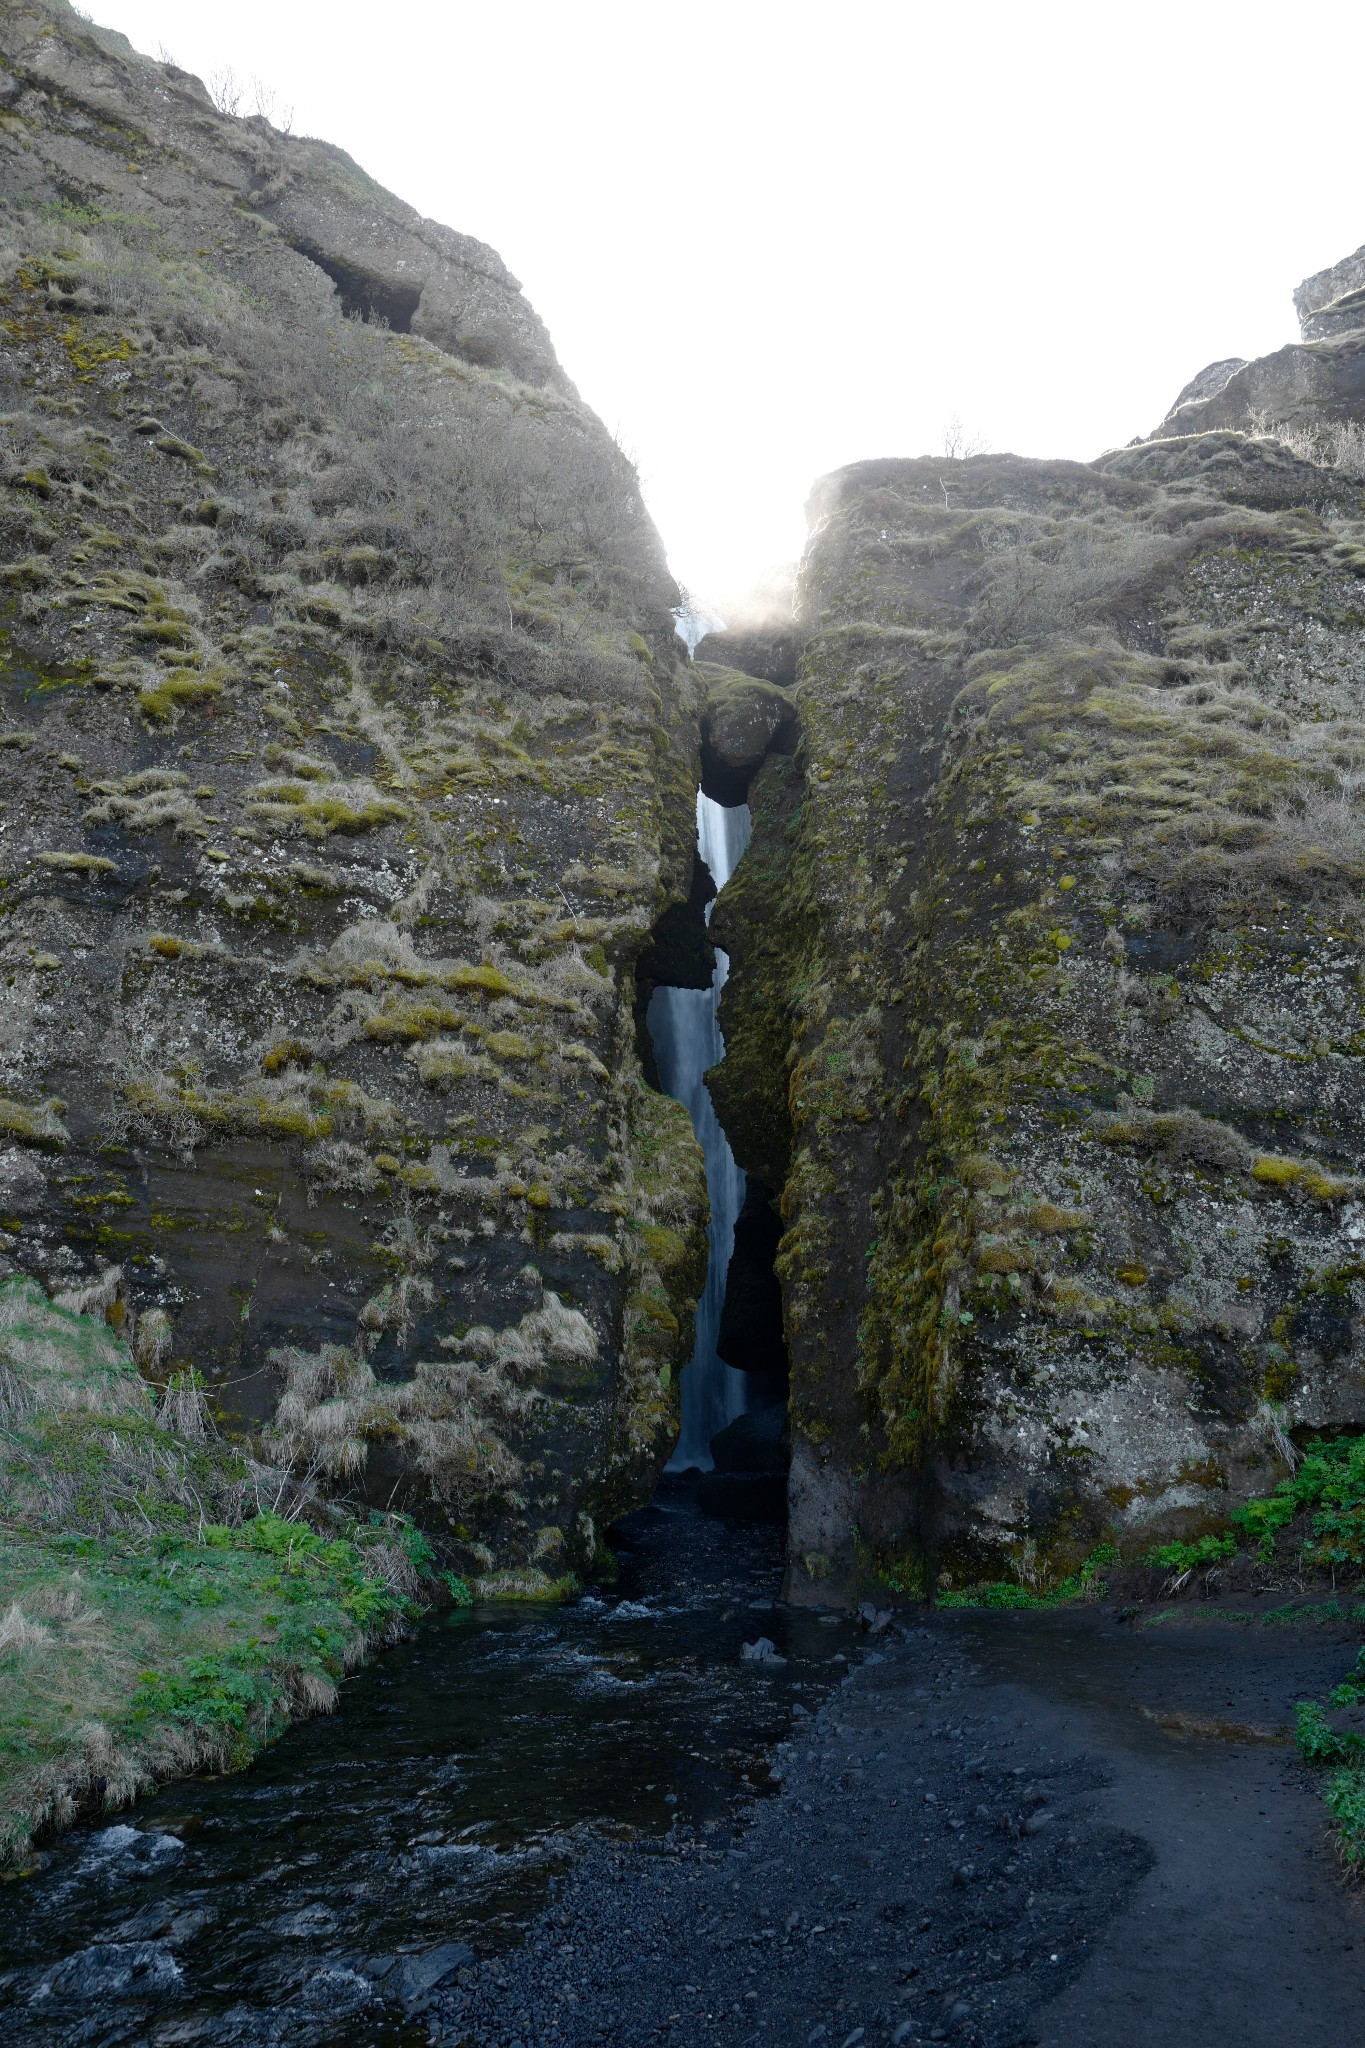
(364, 295)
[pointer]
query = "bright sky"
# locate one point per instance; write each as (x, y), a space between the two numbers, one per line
(770, 237)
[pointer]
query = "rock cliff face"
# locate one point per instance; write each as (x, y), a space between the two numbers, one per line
(349, 759)
(1045, 1003)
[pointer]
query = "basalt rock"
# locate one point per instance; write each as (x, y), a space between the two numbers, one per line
(744, 719)
(750, 1336)
(1309, 387)
(348, 758)
(768, 652)
(1043, 1011)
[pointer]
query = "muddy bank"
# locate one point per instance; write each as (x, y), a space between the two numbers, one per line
(1056, 1829)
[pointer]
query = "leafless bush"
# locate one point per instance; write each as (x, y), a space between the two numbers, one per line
(1039, 589)
(184, 1407)
(1328, 444)
(1312, 845)
(958, 443)
(341, 1167)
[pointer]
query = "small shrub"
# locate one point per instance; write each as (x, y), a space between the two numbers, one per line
(1345, 1801)
(1192, 1557)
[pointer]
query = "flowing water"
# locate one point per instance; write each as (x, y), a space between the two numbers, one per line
(461, 1772)
(287, 1907)
(684, 1026)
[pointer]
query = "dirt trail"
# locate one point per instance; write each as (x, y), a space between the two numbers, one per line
(1242, 1930)
(1053, 1829)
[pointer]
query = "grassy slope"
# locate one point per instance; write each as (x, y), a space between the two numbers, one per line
(154, 1615)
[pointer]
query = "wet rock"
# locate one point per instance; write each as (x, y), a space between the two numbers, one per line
(110, 1969)
(131, 1852)
(764, 1651)
(749, 1483)
(336, 1990)
(754, 1444)
(305, 1920)
(418, 1976)
(162, 1920)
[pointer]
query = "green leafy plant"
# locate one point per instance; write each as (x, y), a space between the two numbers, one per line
(1191, 1557)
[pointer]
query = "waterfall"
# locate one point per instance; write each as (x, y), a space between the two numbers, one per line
(692, 622)
(686, 1033)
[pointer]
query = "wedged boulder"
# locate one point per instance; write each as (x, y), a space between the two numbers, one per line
(766, 651)
(749, 1483)
(744, 719)
(757, 1444)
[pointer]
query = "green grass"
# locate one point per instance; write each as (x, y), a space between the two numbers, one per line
(153, 1616)
(1085, 1584)
(1345, 1801)
(1330, 1483)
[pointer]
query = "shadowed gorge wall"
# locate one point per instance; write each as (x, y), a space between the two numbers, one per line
(1045, 1003)
(348, 759)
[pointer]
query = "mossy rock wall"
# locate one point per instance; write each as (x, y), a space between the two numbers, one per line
(1068, 1015)
(347, 758)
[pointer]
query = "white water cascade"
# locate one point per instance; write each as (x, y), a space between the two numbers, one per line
(683, 1025)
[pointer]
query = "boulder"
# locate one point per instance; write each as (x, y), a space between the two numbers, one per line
(757, 1444)
(745, 719)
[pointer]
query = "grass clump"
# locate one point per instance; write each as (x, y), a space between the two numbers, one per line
(163, 701)
(1329, 1486)
(1345, 1801)
(158, 1610)
(40, 1126)
(78, 863)
(318, 810)
(1183, 1558)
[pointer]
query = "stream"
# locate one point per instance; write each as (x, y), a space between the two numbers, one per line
(297, 1902)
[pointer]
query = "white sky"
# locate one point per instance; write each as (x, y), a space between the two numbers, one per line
(770, 238)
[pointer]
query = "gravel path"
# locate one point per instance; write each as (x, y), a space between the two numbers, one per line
(1001, 1830)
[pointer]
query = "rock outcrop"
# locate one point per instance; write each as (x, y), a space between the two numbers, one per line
(1311, 389)
(1044, 1006)
(349, 759)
